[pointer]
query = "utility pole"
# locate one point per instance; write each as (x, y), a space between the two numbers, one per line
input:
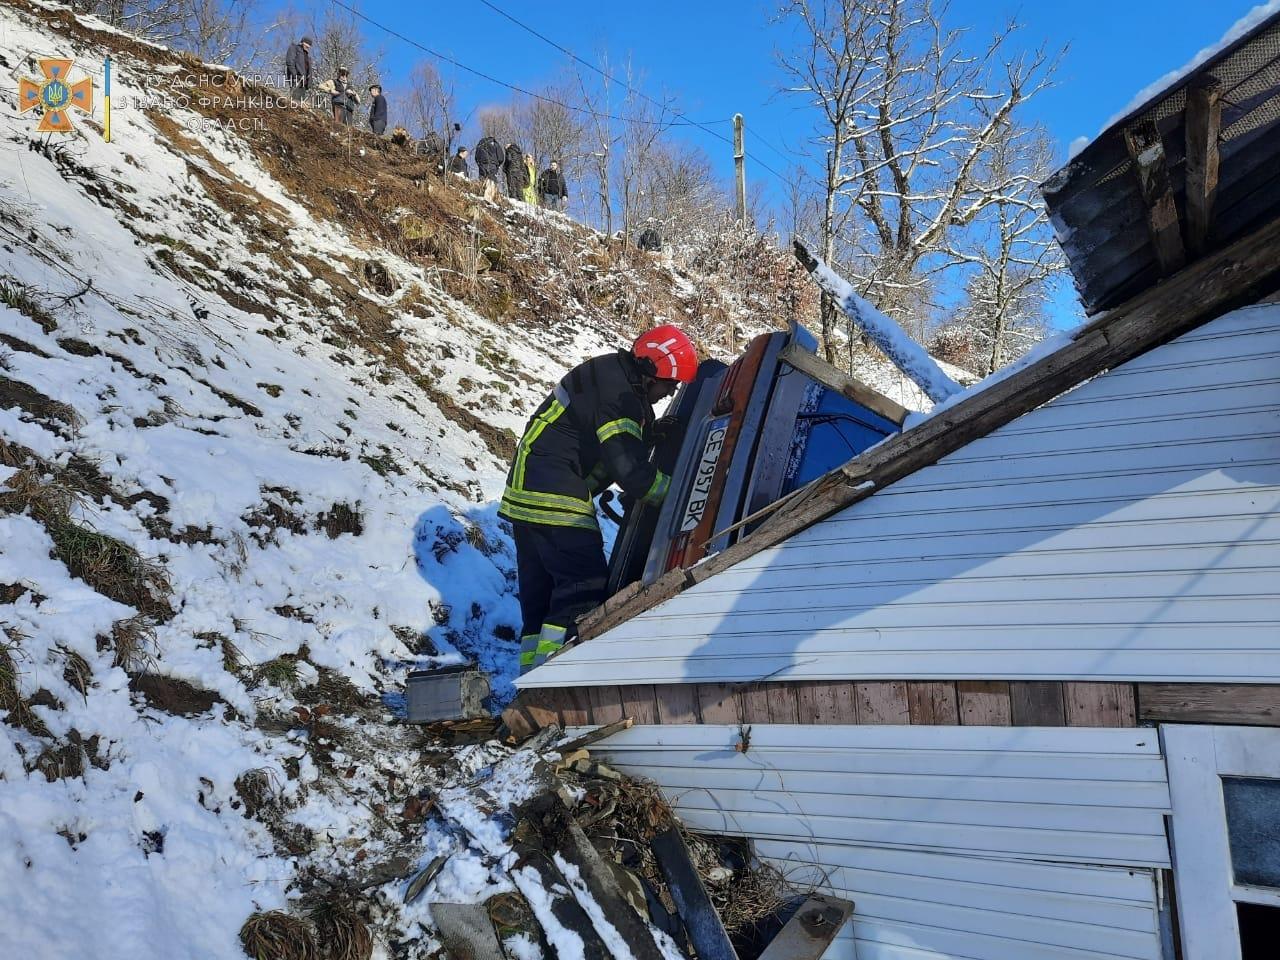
(740, 168)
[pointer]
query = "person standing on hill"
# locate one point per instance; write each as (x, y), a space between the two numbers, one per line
(458, 163)
(531, 181)
(377, 110)
(338, 98)
(595, 429)
(297, 64)
(489, 159)
(517, 174)
(551, 187)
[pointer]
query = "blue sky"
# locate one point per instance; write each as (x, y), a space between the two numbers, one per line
(718, 56)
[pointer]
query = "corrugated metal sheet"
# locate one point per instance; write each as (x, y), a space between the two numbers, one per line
(962, 842)
(1130, 529)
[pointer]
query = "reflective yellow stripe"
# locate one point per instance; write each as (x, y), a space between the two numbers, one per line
(615, 427)
(527, 657)
(657, 489)
(554, 501)
(548, 647)
(553, 518)
(540, 423)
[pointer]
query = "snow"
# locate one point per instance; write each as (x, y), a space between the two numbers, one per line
(911, 358)
(1237, 30)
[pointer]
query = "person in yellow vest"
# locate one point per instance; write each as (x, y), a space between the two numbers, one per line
(595, 429)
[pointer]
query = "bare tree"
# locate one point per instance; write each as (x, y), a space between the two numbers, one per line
(599, 139)
(430, 103)
(907, 112)
(644, 121)
(223, 31)
(553, 126)
(499, 123)
(340, 42)
(1012, 255)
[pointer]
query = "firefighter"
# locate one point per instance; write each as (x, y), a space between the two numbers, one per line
(595, 429)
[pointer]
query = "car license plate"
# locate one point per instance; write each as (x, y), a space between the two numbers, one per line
(701, 489)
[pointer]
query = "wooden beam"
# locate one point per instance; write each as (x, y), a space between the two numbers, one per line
(706, 931)
(809, 932)
(1203, 125)
(814, 366)
(1247, 704)
(932, 703)
(1208, 288)
(1146, 150)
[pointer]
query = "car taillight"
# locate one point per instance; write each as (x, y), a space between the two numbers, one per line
(724, 399)
(675, 554)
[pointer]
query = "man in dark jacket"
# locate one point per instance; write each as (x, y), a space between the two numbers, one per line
(377, 110)
(594, 430)
(297, 64)
(551, 187)
(458, 163)
(517, 175)
(489, 158)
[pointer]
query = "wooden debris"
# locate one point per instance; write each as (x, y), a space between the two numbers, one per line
(810, 363)
(600, 883)
(466, 931)
(596, 735)
(706, 932)
(564, 908)
(810, 931)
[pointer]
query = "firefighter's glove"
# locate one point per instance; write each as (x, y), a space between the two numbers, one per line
(664, 427)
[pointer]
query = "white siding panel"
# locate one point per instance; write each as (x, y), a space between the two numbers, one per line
(986, 843)
(1128, 530)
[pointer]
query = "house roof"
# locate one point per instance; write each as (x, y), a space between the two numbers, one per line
(1231, 270)
(1127, 208)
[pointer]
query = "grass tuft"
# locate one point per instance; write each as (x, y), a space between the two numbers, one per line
(280, 672)
(342, 930)
(18, 296)
(277, 936)
(113, 568)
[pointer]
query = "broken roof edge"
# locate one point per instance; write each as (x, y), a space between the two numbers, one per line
(1220, 282)
(1169, 85)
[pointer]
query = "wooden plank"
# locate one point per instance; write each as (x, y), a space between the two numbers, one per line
(1208, 288)
(575, 706)
(1146, 150)
(639, 703)
(531, 711)
(1037, 703)
(597, 879)
(932, 703)
(676, 703)
(1099, 704)
(1243, 704)
(882, 701)
(810, 363)
(1203, 126)
(546, 892)
(822, 701)
(594, 736)
(706, 932)
(718, 703)
(606, 704)
(809, 932)
(753, 703)
(984, 703)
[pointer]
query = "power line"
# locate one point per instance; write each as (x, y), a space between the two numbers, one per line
(687, 122)
(502, 83)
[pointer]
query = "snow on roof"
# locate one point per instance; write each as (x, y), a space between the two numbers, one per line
(1239, 29)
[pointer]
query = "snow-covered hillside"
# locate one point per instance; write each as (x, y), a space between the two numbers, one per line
(256, 396)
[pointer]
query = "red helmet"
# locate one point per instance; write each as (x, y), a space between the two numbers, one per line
(672, 353)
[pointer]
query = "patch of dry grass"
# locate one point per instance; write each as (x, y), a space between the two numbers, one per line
(341, 931)
(113, 568)
(278, 936)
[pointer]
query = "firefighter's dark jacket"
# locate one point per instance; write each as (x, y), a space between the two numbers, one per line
(592, 431)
